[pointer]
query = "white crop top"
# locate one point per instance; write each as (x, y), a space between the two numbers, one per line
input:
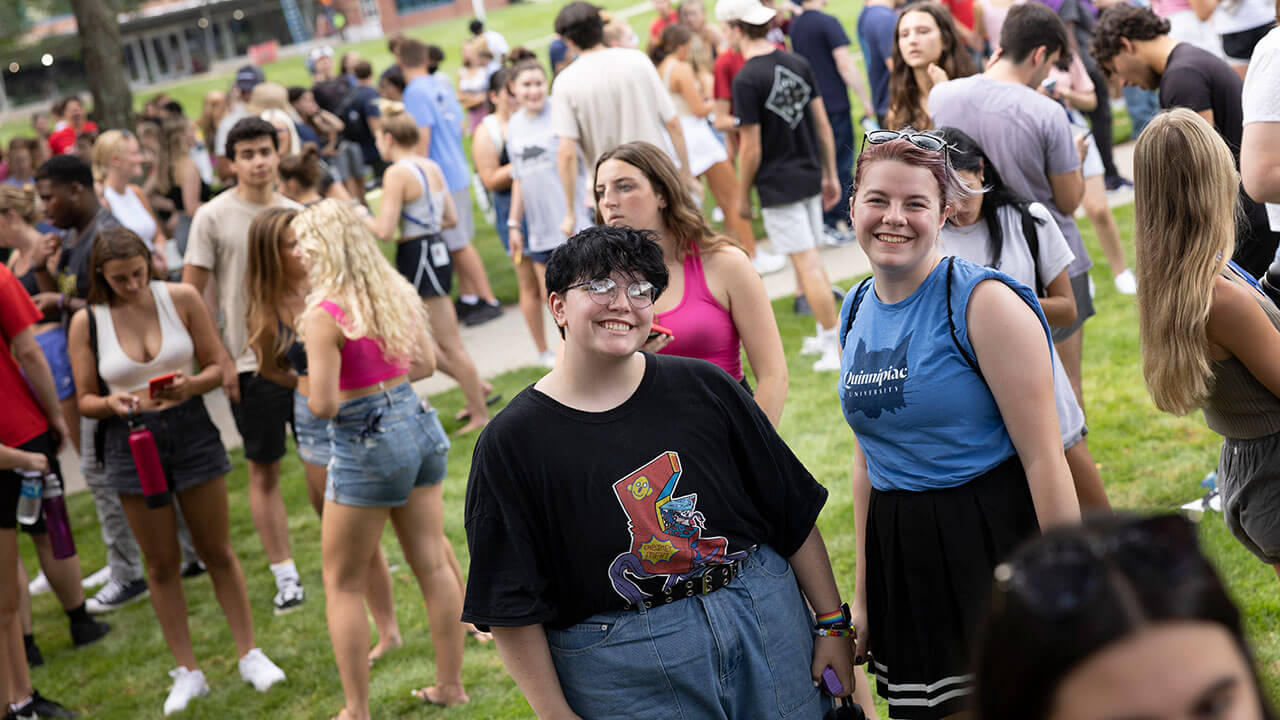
(124, 374)
(129, 210)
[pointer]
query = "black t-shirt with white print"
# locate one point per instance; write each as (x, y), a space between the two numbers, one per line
(776, 91)
(573, 513)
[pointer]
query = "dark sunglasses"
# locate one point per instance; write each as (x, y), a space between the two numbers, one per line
(922, 140)
(1062, 577)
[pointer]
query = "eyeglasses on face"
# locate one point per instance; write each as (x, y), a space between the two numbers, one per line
(641, 293)
(923, 140)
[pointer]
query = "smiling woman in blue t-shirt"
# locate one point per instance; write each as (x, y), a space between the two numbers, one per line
(946, 381)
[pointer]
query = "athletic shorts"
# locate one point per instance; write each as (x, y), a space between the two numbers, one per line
(261, 415)
(794, 227)
(426, 262)
(1084, 307)
(459, 236)
(1238, 46)
(11, 485)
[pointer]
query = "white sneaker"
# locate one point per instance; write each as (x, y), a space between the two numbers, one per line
(258, 670)
(1126, 283)
(766, 262)
(547, 358)
(99, 578)
(830, 360)
(813, 346)
(39, 586)
(289, 597)
(187, 685)
(717, 215)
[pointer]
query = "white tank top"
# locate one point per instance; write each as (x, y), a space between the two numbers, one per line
(124, 374)
(129, 210)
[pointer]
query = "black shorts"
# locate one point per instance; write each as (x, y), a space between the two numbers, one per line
(1239, 46)
(190, 448)
(1084, 308)
(11, 484)
(261, 415)
(428, 265)
(930, 556)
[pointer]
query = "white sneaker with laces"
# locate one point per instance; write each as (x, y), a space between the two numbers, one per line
(830, 360)
(39, 586)
(97, 579)
(258, 670)
(187, 685)
(289, 597)
(767, 263)
(1126, 283)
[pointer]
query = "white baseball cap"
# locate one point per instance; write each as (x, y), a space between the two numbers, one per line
(750, 12)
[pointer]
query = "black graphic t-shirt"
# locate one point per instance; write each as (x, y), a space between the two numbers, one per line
(572, 513)
(776, 92)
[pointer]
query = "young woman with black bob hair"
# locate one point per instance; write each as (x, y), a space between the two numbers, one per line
(1121, 617)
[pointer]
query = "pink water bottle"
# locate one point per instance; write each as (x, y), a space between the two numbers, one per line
(147, 460)
(56, 520)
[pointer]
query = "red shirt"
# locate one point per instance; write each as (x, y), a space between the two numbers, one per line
(63, 139)
(961, 10)
(22, 418)
(660, 23)
(726, 68)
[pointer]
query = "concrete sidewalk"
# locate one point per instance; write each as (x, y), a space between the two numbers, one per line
(505, 344)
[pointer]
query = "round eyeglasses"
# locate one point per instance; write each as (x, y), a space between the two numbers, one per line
(641, 293)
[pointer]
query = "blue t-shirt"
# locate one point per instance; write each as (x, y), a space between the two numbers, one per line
(556, 52)
(875, 35)
(924, 418)
(814, 35)
(434, 105)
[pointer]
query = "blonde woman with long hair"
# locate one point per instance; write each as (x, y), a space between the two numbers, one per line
(277, 287)
(1210, 337)
(117, 160)
(365, 330)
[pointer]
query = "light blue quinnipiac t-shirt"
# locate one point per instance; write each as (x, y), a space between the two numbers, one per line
(433, 104)
(924, 419)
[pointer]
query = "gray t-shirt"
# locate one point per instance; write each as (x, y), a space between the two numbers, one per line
(531, 145)
(1027, 136)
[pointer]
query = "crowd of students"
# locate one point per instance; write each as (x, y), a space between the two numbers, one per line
(987, 125)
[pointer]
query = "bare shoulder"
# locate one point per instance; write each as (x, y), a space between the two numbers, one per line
(1233, 312)
(995, 310)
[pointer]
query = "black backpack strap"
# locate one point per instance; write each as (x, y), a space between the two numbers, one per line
(1032, 235)
(858, 292)
(951, 323)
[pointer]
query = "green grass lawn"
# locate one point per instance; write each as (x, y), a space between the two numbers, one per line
(1149, 461)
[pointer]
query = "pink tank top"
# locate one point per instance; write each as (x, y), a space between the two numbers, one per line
(363, 363)
(703, 329)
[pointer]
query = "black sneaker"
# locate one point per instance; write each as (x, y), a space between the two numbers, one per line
(801, 305)
(26, 714)
(193, 569)
(115, 595)
(1115, 182)
(40, 706)
(88, 633)
(472, 314)
(34, 658)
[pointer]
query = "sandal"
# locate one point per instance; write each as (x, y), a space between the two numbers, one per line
(465, 414)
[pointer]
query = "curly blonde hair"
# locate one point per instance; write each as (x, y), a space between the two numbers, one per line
(1185, 209)
(349, 270)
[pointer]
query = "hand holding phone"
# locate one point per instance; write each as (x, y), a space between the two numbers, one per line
(158, 384)
(658, 338)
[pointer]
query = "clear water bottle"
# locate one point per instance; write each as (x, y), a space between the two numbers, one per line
(29, 498)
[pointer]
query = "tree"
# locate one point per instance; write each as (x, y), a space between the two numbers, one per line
(103, 56)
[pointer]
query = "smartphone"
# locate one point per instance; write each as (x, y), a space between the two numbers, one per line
(655, 330)
(159, 383)
(831, 683)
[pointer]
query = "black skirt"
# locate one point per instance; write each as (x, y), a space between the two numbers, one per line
(930, 557)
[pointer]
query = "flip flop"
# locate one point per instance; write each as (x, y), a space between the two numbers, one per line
(465, 414)
(422, 695)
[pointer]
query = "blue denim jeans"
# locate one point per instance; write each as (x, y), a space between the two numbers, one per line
(311, 433)
(1143, 105)
(742, 651)
(842, 131)
(383, 446)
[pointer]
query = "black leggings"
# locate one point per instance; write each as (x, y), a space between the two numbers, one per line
(1100, 121)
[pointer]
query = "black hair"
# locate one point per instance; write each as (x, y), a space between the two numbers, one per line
(965, 154)
(362, 70)
(599, 251)
(65, 170)
(580, 23)
(1023, 654)
(476, 26)
(394, 76)
(435, 56)
(497, 83)
(173, 107)
(1029, 26)
(250, 128)
(1127, 23)
(295, 93)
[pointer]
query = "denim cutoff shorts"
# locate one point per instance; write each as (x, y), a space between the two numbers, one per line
(382, 447)
(744, 650)
(311, 433)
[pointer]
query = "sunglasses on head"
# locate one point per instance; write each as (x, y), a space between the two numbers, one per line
(923, 140)
(1061, 578)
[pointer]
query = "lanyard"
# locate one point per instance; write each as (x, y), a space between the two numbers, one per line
(1244, 274)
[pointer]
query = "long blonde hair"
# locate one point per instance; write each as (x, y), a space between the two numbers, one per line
(1185, 208)
(349, 270)
(107, 146)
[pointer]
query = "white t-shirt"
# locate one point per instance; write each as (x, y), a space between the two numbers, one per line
(1239, 15)
(219, 243)
(1260, 102)
(973, 243)
(610, 97)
